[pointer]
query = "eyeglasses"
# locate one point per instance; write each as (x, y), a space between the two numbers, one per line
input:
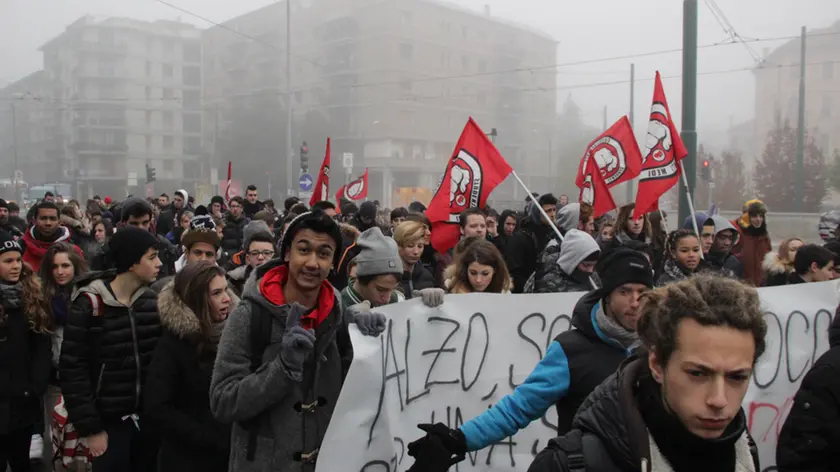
(236, 206)
(266, 254)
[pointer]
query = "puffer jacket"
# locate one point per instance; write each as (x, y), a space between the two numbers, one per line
(233, 233)
(267, 400)
(176, 398)
(25, 362)
(420, 278)
(167, 253)
(811, 433)
(776, 271)
(522, 251)
(106, 352)
(615, 438)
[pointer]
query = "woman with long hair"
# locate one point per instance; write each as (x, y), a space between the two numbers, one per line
(193, 309)
(60, 266)
(627, 228)
(685, 256)
(480, 268)
(25, 329)
(779, 265)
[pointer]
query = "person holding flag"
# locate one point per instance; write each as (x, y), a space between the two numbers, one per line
(321, 191)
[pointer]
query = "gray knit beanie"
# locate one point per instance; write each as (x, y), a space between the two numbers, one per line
(252, 229)
(379, 254)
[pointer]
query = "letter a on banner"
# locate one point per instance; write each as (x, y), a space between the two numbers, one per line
(474, 170)
(663, 151)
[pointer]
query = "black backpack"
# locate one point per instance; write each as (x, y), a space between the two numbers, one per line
(569, 453)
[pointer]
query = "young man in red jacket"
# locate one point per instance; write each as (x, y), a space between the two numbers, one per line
(45, 232)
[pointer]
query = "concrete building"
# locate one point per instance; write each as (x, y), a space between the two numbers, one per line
(392, 82)
(127, 94)
(777, 91)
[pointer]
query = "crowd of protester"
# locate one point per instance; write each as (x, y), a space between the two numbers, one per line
(157, 334)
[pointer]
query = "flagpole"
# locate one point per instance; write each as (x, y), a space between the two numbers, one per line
(690, 203)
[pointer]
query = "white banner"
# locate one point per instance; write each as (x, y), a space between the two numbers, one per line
(450, 363)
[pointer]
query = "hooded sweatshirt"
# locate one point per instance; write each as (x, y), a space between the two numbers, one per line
(753, 244)
(563, 275)
(725, 262)
(35, 248)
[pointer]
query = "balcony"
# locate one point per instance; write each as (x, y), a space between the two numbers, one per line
(89, 148)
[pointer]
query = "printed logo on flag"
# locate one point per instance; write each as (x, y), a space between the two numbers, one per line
(609, 156)
(465, 184)
(355, 189)
(658, 141)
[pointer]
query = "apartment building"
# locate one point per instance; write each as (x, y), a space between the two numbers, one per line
(392, 82)
(126, 94)
(777, 90)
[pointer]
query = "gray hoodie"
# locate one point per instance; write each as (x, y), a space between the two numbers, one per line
(568, 217)
(577, 246)
(268, 399)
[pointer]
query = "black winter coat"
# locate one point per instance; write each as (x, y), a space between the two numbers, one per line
(420, 278)
(810, 437)
(177, 393)
(106, 353)
(25, 363)
(232, 233)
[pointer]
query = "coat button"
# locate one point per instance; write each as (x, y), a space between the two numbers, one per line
(806, 406)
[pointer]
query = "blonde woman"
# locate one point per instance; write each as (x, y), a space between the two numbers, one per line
(411, 240)
(778, 265)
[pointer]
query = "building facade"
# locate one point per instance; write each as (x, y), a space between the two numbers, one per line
(392, 82)
(777, 91)
(126, 94)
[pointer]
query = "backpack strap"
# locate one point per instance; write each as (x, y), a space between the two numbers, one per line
(569, 446)
(260, 338)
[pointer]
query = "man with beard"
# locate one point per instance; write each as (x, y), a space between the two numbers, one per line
(44, 233)
(365, 218)
(235, 223)
(527, 244)
(575, 363)
(5, 224)
(170, 215)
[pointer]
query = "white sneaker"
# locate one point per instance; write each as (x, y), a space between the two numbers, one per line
(36, 447)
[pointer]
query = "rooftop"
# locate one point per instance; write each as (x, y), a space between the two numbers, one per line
(174, 28)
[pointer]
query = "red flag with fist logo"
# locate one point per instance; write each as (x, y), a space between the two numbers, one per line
(355, 190)
(612, 158)
(322, 186)
(663, 151)
(474, 170)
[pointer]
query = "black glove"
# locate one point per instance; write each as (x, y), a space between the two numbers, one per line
(431, 455)
(433, 452)
(297, 343)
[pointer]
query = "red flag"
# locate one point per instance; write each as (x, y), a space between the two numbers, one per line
(474, 170)
(322, 185)
(663, 151)
(616, 153)
(355, 190)
(227, 189)
(596, 193)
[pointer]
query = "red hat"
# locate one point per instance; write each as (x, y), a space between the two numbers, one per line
(107, 200)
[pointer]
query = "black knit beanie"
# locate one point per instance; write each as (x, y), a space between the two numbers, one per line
(8, 243)
(128, 245)
(623, 266)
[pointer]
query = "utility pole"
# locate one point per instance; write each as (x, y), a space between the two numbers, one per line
(689, 103)
(290, 181)
(605, 118)
(800, 135)
(15, 147)
(632, 122)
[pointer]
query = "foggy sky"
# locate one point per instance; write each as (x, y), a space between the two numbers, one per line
(584, 30)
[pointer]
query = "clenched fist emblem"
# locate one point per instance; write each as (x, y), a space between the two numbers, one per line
(458, 186)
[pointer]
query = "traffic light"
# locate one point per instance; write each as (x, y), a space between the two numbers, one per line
(706, 170)
(304, 157)
(150, 174)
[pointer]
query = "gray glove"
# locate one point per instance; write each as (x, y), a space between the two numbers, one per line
(432, 297)
(296, 344)
(369, 323)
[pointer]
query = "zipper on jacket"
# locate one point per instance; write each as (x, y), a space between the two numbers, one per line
(99, 381)
(136, 358)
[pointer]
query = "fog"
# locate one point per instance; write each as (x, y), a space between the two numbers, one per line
(585, 32)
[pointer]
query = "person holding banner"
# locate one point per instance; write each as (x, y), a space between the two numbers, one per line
(678, 405)
(480, 268)
(378, 272)
(576, 362)
(411, 238)
(279, 369)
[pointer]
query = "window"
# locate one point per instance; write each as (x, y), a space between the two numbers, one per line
(828, 71)
(192, 99)
(148, 68)
(168, 71)
(192, 75)
(464, 33)
(148, 144)
(148, 93)
(298, 97)
(168, 94)
(482, 65)
(406, 87)
(168, 143)
(167, 119)
(825, 111)
(794, 70)
(192, 52)
(168, 165)
(148, 119)
(192, 122)
(465, 62)
(192, 145)
(405, 17)
(406, 51)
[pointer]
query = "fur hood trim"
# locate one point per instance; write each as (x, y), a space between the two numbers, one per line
(773, 265)
(349, 231)
(70, 222)
(178, 317)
